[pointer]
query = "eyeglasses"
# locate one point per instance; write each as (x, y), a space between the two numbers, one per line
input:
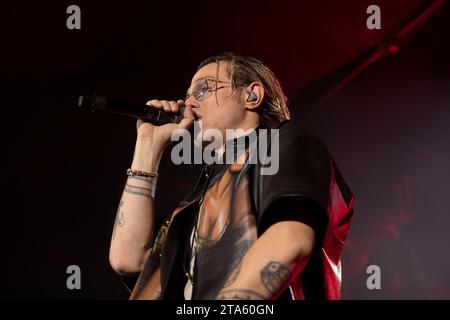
(203, 88)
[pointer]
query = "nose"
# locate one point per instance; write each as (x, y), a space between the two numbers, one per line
(190, 101)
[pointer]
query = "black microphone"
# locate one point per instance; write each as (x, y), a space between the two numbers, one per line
(138, 111)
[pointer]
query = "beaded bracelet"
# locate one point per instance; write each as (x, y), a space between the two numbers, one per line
(139, 173)
(149, 177)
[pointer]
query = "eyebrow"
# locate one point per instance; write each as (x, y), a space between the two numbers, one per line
(205, 77)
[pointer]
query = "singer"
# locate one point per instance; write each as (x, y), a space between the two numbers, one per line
(238, 234)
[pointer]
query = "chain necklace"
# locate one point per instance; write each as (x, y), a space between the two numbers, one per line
(192, 249)
(192, 246)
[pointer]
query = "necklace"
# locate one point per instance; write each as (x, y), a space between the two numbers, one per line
(191, 247)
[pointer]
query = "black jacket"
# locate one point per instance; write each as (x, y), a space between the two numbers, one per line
(307, 178)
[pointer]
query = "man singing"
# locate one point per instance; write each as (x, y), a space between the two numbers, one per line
(241, 233)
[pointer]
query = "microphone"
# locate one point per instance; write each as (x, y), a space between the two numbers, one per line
(146, 113)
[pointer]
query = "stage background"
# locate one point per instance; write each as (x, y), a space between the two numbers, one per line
(388, 129)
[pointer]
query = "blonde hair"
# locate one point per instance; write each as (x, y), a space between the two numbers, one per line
(244, 70)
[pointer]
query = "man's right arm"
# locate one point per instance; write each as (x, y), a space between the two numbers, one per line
(134, 223)
(135, 218)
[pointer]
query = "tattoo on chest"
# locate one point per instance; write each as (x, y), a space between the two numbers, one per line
(240, 294)
(241, 250)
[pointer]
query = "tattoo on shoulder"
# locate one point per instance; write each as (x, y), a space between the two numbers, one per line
(239, 294)
(140, 191)
(274, 275)
(120, 220)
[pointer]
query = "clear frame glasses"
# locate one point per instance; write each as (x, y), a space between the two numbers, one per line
(203, 88)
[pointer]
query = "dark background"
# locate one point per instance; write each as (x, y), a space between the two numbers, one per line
(388, 129)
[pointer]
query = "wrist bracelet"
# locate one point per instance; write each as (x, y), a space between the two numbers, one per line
(139, 173)
(149, 177)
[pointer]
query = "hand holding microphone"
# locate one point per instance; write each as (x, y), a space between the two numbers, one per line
(162, 133)
(157, 119)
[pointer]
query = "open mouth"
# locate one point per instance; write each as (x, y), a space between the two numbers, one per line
(196, 116)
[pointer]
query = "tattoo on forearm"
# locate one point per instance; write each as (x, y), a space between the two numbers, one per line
(140, 191)
(120, 220)
(147, 179)
(273, 276)
(239, 294)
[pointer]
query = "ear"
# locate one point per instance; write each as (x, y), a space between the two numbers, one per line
(253, 95)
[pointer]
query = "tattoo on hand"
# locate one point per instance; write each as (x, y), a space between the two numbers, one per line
(120, 220)
(239, 294)
(274, 275)
(146, 192)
